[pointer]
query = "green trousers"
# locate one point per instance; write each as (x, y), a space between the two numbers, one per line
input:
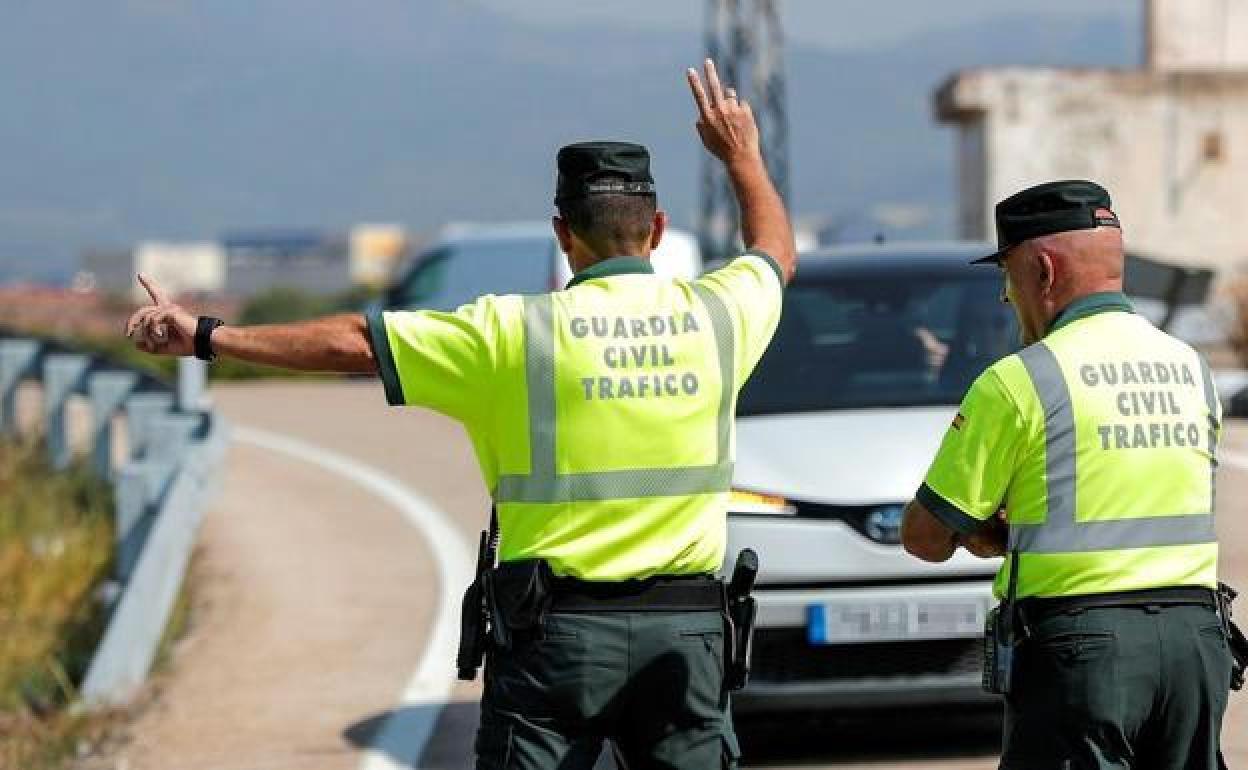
(652, 683)
(1119, 687)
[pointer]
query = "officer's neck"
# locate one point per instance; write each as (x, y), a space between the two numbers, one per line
(585, 259)
(1059, 312)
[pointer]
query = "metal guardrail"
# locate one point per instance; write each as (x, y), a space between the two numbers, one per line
(174, 455)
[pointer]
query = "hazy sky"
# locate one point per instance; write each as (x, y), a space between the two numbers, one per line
(824, 23)
(185, 119)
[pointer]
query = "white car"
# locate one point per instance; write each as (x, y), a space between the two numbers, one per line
(836, 428)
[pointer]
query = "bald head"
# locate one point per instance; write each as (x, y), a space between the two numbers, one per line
(1083, 261)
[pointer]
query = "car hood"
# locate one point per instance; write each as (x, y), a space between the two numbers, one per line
(847, 457)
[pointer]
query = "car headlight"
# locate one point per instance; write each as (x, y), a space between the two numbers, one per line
(745, 501)
(883, 523)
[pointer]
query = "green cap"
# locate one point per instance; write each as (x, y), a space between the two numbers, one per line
(588, 168)
(1052, 207)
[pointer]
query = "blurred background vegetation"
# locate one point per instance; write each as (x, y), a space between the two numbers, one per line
(56, 546)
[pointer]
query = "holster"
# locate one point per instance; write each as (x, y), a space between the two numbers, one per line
(998, 651)
(1001, 637)
(474, 616)
(740, 613)
(1234, 636)
(517, 594)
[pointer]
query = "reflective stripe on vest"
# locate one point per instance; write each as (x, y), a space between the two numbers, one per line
(1211, 399)
(544, 485)
(1060, 533)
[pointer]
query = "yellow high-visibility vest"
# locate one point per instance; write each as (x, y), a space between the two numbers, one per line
(1100, 442)
(601, 415)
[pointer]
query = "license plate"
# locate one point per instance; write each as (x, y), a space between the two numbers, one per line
(897, 620)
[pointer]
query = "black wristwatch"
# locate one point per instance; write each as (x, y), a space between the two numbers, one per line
(203, 337)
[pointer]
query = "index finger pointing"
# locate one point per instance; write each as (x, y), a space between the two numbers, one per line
(699, 93)
(153, 291)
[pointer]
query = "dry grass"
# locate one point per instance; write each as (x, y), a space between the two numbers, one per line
(54, 742)
(56, 543)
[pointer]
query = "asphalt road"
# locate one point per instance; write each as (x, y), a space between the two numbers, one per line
(314, 686)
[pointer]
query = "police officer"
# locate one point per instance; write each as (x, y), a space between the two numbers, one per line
(602, 420)
(1088, 458)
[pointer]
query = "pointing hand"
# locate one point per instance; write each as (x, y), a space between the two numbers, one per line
(162, 327)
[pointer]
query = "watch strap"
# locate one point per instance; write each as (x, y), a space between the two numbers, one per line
(203, 337)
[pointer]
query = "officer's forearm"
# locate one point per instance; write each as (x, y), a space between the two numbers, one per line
(337, 343)
(764, 222)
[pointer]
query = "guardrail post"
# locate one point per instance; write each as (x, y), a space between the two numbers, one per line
(62, 375)
(192, 378)
(17, 360)
(142, 409)
(107, 390)
(166, 449)
(132, 497)
(142, 485)
(171, 433)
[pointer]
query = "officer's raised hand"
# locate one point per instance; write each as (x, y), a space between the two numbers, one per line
(162, 327)
(725, 123)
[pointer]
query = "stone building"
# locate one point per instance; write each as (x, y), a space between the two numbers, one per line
(1169, 140)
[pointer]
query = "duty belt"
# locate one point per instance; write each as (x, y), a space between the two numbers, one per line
(1034, 607)
(659, 594)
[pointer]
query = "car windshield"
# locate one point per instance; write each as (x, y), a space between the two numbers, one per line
(456, 274)
(853, 342)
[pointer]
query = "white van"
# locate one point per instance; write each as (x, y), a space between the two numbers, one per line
(469, 260)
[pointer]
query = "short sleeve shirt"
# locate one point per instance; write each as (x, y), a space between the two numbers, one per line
(447, 361)
(473, 365)
(978, 458)
(442, 360)
(751, 288)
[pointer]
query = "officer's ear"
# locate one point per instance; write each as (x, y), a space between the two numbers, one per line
(1047, 275)
(657, 229)
(563, 233)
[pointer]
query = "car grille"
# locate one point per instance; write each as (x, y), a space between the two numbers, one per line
(783, 655)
